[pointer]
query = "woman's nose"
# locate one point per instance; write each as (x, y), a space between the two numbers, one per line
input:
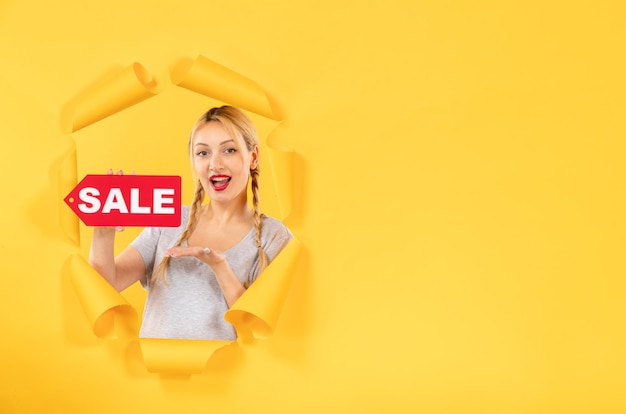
(215, 163)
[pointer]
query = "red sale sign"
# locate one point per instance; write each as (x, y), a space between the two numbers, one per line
(127, 200)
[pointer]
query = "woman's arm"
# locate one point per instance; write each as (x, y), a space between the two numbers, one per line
(121, 271)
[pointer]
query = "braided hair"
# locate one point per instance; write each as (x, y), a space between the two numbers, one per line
(236, 124)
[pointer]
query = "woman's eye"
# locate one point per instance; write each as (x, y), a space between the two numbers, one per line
(230, 150)
(202, 153)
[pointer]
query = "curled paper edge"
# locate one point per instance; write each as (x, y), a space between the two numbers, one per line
(257, 311)
(281, 171)
(117, 92)
(178, 356)
(108, 313)
(209, 78)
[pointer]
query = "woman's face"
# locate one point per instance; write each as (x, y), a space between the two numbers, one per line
(222, 164)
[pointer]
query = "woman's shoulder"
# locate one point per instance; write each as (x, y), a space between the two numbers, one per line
(273, 227)
(272, 222)
(184, 215)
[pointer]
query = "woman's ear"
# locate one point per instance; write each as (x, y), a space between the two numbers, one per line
(254, 159)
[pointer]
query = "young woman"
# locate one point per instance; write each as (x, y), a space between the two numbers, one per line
(195, 272)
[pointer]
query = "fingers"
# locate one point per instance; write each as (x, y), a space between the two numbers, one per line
(180, 251)
(118, 229)
(120, 172)
(177, 251)
(209, 256)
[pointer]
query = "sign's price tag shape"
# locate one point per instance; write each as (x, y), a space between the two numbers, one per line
(127, 200)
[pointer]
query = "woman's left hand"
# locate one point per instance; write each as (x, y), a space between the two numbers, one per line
(208, 256)
(231, 287)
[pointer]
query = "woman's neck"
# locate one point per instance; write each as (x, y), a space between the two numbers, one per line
(224, 213)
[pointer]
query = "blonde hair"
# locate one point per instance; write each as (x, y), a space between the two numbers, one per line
(236, 124)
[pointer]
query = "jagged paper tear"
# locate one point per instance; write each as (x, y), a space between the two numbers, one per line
(257, 311)
(109, 314)
(180, 357)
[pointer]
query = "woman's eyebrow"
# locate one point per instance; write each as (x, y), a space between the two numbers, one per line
(221, 143)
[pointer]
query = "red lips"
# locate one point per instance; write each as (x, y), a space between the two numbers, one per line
(219, 182)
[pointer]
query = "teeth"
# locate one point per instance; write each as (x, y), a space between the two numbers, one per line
(219, 179)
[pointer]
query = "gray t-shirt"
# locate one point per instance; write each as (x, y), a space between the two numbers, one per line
(191, 305)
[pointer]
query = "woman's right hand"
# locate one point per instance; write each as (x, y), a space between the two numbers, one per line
(116, 228)
(122, 271)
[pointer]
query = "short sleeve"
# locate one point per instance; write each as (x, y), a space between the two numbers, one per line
(278, 237)
(274, 237)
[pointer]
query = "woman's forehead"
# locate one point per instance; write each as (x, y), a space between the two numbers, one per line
(212, 131)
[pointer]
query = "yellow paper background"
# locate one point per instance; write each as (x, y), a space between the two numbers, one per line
(114, 115)
(458, 186)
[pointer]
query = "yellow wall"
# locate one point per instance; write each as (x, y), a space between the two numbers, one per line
(459, 192)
